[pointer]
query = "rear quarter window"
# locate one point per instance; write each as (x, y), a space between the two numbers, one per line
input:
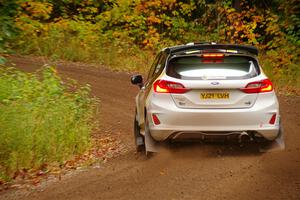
(228, 67)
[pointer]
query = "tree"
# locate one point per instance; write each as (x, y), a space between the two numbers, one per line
(8, 9)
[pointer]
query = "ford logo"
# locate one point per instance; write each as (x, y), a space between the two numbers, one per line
(215, 83)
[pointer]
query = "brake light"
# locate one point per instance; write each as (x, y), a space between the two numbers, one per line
(164, 86)
(258, 86)
(213, 55)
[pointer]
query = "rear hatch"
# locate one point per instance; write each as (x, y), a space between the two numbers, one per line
(214, 81)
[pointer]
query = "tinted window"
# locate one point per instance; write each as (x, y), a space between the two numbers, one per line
(229, 67)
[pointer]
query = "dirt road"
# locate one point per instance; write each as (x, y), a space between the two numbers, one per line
(187, 171)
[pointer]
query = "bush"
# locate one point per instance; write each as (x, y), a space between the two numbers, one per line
(81, 41)
(8, 9)
(41, 120)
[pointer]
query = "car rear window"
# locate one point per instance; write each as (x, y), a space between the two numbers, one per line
(228, 67)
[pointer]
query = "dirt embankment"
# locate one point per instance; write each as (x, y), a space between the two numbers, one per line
(189, 171)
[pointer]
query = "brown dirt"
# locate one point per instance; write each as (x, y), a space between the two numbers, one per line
(186, 171)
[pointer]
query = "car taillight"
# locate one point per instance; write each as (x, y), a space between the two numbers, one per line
(164, 86)
(258, 86)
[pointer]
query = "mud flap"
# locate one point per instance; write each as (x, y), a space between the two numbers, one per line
(277, 145)
(139, 141)
(150, 144)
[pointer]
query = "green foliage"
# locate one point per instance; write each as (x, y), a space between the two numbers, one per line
(8, 9)
(41, 121)
(291, 20)
(150, 23)
(77, 41)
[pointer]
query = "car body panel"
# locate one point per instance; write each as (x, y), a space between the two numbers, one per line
(174, 119)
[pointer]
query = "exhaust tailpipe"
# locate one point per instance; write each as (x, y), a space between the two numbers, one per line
(244, 137)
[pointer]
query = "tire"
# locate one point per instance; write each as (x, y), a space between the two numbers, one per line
(138, 138)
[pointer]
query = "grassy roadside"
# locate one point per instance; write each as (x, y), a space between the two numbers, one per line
(42, 120)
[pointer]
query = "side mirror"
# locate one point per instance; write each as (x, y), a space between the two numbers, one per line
(137, 80)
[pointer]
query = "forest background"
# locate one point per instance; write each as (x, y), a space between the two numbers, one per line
(125, 34)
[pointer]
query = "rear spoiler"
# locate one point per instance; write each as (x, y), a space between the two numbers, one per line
(235, 47)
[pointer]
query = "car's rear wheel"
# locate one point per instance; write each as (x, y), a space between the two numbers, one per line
(138, 138)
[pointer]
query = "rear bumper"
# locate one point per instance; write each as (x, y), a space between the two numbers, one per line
(161, 135)
(198, 121)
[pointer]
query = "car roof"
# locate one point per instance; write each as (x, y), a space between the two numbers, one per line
(211, 47)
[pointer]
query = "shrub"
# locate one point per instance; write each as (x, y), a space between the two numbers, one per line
(41, 120)
(8, 9)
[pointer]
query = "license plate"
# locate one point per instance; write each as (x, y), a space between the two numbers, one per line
(214, 95)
